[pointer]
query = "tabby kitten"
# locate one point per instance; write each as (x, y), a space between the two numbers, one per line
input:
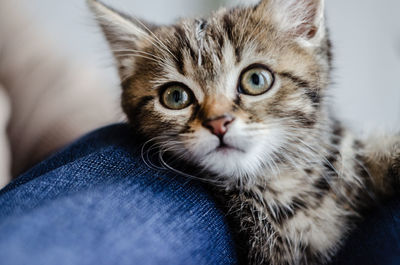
(242, 95)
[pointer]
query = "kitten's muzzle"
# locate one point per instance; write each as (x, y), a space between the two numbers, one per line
(219, 126)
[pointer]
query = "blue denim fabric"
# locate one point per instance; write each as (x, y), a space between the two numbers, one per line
(96, 203)
(377, 240)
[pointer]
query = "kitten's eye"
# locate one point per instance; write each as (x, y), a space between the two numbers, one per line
(256, 81)
(176, 97)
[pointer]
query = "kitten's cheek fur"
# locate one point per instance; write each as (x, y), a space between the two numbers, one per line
(255, 151)
(201, 144)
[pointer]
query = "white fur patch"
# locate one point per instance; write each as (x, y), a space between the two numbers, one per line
(251, 154)
(291, 15)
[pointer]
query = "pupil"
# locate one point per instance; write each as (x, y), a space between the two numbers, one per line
(177, 96)
(255, 78)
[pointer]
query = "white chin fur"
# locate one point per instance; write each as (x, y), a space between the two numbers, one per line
(253, 153)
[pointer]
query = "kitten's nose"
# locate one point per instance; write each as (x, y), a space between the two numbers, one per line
(218, 126)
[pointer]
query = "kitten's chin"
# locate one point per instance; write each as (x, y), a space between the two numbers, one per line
(230, 162)
(226, 150)
(242, 156)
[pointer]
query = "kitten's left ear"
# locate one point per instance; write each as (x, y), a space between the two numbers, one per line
(123, 33)
(303, 19)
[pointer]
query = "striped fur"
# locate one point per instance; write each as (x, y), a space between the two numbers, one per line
(296, 180)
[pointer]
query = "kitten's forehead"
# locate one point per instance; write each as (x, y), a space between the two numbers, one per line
(207, 50)
(209, 54)
(199, 48)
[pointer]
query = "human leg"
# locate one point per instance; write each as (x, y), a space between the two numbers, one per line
(376, 241)
(96, 203)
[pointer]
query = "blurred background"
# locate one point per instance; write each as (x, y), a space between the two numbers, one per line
(365, 33)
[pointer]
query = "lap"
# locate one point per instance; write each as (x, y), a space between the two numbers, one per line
(376, 241)
(96, 203)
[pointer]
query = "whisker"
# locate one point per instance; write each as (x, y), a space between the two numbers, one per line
(155, 38)
(147, 161)
(161, 153)
(146, 158)
(143, 56)
(138, 51)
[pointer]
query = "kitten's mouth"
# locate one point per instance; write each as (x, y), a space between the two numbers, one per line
(226, 149)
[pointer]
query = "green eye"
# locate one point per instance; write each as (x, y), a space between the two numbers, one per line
(256, 81)
(176, 97)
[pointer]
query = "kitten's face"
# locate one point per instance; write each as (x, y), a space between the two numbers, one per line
(230, 93)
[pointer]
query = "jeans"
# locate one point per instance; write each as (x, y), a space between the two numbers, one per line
(95, 202)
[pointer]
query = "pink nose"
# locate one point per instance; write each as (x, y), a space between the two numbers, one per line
(219, 125)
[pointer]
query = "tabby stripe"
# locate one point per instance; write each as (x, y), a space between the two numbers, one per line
(236, 103)
(229, 25)
(360, 164)
(126, 83)
(221, 42)
(394, 172)
(217, 38)
(361, 167)
(328, 165)
(280, 213)
(329, 52)
(238, 54)
(295, 79)
(253, 196)
(308, 121)
(313, 95)
(202, 23)
(140, 105)
(323, 187)
(322, 184)
(179, 61)
(337, 133)
(195, 112)
(184, 43)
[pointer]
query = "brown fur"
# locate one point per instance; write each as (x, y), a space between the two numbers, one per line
(296, 180)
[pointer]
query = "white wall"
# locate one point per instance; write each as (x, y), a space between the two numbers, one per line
(365, 33)
(366, 36)
(72, 25)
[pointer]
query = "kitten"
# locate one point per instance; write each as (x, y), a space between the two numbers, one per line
(242, 94)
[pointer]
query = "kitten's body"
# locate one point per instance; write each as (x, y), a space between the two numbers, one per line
(292, 178)
(303, 214)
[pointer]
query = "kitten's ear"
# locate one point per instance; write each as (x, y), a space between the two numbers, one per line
(304, 19)
(123, 33)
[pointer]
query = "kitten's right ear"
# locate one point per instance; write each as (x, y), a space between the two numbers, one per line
(302, 19)
(123, 33)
